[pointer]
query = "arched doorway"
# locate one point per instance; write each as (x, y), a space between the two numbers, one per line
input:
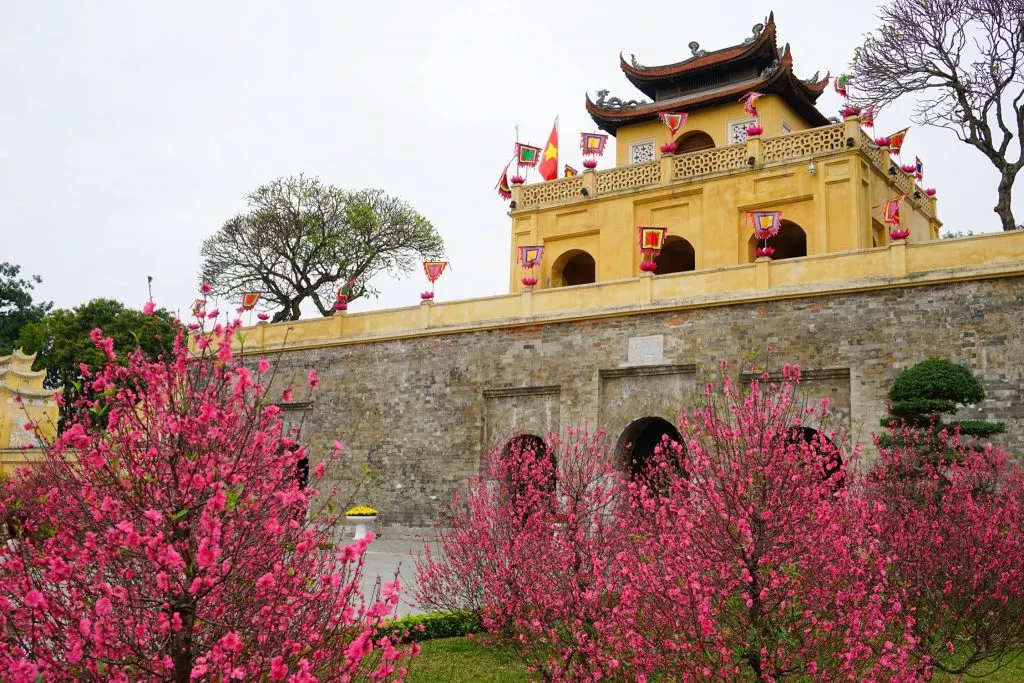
(676, 257)
(638, 441)
(575, 267)
(694, 141)
(789, 242)
(831, 457)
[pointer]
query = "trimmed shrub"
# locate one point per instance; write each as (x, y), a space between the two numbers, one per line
(432, 626)
(935, 378)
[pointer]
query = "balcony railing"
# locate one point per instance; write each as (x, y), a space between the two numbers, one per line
(805, 144)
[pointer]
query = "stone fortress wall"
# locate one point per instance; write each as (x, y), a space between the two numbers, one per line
(421, 409)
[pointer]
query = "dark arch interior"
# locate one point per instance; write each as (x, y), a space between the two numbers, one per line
(537, 445)
(576, 268)
(639, 440)
(676, 257)
(694, 141)
(832, 459)
(790, 242)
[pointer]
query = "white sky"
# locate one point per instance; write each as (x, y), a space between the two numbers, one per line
(129, 131)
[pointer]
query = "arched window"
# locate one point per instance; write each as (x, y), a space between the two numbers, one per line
(676, 257)
(574, 267)
(789, 242)
(639, 440)
(693, 141)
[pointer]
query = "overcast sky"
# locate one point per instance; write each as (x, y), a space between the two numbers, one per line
(129, 131)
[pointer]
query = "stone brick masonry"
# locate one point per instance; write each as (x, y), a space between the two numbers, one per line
(421, 411)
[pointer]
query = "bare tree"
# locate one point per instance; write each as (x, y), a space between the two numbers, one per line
(964, 59)
(301, 238)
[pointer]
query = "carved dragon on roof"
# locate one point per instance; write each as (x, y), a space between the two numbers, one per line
(757, 34)
(614, 102)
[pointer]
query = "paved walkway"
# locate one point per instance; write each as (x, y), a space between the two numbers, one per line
(383, 558)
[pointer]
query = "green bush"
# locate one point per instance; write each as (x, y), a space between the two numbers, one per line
(978, 427)
(914, 407)
(432, 626)
(936, 378)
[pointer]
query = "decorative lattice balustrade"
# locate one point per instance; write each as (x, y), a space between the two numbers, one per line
(626, 177)
(553, 191)
(873, 151)
(709, 161)
(804, 144)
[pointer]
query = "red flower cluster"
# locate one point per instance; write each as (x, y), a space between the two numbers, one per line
(668, 148)
(764, 251)
(648, 266)
(529, 281)
(754, 130)
(900, 234)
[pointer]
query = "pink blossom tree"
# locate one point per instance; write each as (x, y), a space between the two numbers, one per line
(954, 524)
(166, 537)
(751, 562)
(529, 545)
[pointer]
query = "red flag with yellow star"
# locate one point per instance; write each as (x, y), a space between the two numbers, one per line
(549, 159)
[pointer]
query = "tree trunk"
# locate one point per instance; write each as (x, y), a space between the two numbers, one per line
(1003, 208)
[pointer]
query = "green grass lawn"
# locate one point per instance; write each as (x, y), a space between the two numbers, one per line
(460, 660)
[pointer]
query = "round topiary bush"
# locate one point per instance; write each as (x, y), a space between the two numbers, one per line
(937, 379)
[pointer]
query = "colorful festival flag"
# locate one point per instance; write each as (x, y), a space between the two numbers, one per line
(918, 169)
(593, 143)
(841, 82)
(249, 300)
(867, 117)
(199, 308)
(650, 239)
(570, 171)
(674, 121)
(527, 155)
(549, 162)
(766, 223)
(530, 257)
(503, 188)
(433, 269)
(750, 102)
(896, 141)
(891, 211)
(345, 292)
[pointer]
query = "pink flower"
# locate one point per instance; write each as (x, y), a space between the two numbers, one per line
(103, 606)
(286, 395)
(35, 599)
(231, 641)
(266, 582)
(263, 316)
(263, 365)
(314, 381)
(278, 669)
(193, 326)
(318, 471)
(213, 314)
(207, 555)
(206, 288)
(148, 308)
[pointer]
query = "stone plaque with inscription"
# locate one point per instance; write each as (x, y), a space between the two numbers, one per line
(646, 350)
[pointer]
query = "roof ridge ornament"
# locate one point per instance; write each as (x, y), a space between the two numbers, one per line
(815, 79)
(634, 62)
(756, 31)
(771, 68)
(614, 102)
(695, 49)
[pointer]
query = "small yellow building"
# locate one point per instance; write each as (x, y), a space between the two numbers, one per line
(23, 400)
(828, 178)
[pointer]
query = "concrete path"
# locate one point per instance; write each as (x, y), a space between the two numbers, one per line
(383, 558)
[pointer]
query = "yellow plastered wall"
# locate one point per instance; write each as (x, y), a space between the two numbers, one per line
(23, 400)
(715, 121)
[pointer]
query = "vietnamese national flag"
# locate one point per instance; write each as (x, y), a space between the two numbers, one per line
(549, 159)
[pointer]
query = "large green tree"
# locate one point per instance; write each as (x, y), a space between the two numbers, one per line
(301, 239)
(16, 305)
(62, 342)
